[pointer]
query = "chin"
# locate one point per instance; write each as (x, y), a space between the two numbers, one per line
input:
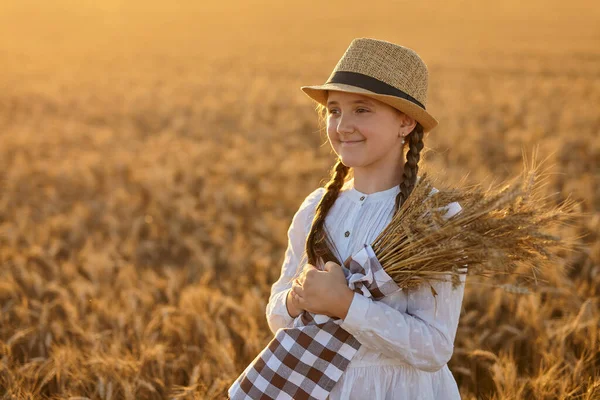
(350, 162)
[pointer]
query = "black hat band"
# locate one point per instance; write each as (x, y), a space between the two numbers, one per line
(373, 84)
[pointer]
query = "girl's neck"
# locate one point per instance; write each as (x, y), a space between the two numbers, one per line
(368, 182)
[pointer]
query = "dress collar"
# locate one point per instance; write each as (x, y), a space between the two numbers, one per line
(360, 197)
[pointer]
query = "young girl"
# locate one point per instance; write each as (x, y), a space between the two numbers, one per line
(374, 105)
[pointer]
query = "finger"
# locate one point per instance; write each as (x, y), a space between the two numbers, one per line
(302, 280)
(298, 301)
(298, 292)
(308, 267)
(294, 298)
(330, 265)
(302, 275)
(297, 298)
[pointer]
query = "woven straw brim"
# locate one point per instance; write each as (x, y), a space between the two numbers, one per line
(319, 94)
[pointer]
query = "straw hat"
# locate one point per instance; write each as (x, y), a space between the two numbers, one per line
(385, 71)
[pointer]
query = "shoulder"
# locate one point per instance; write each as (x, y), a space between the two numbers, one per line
(313, 198)
(307, 209)
(310, 202)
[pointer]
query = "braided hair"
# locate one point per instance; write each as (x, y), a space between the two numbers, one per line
(411, 166)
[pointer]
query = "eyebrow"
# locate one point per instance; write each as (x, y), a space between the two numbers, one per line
(329, 103)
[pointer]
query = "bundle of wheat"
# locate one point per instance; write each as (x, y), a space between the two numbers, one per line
(497, 233)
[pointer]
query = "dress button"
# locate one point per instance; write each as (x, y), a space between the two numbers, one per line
(362, 198)
(347, 233)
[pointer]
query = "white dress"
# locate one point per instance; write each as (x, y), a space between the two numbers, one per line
(407, 339)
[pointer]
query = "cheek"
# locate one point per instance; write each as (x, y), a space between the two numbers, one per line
(330, 130)
(332, 135)
(381, 142)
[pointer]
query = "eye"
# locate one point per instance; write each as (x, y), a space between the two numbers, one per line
(358, 110)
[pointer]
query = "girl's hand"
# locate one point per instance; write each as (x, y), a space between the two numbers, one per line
(323, 292)
(293, 307)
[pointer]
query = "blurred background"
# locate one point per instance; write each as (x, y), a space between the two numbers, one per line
(153, 154)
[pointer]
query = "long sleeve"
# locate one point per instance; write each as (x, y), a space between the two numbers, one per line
(276, 310)
(423, 336)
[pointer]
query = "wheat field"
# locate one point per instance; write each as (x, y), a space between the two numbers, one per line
(153, 155)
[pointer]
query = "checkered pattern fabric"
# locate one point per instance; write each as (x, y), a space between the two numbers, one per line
(307, 360)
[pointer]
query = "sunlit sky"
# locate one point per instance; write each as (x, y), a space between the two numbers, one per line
(198, 27)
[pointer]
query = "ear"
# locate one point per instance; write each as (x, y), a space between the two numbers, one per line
(412, 124)
(407, 124)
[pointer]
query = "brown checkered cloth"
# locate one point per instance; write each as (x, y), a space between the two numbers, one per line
(307, 360)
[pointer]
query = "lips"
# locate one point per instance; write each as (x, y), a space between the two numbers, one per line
(352, 143)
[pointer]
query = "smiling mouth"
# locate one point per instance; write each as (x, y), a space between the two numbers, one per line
(351, 141)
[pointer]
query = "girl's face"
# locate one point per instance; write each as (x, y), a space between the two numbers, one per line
(365, 132)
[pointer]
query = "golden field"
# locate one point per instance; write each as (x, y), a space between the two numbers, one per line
(153, 155)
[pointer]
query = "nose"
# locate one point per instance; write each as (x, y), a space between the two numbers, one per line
(345, 125)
